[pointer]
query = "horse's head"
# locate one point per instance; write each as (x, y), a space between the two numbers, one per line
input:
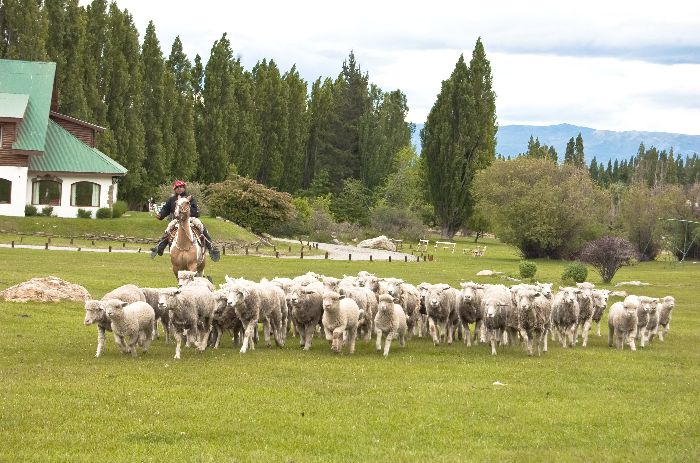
(182, 208)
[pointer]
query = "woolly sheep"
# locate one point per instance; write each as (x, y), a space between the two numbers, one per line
(135, 321)
(340, 317)
(565, 315)
(127, 293)
(599, 297)
(152, 296)
(390, 321)
(186, 277)
(252, 303)
(585, 312)
(225, 319)
(622, 323)
(499, 315)
(408, 297)
(192, 311)
(470, 311)
(367, 302)
(307, 310)
(667, 305)
(532, 319)
(441, 304)
(644, 306)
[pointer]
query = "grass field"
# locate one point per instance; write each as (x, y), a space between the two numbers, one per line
(421, 403)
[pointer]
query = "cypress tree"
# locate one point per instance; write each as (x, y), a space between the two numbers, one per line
(271, 118)
(297, 131)
(183, 154)
(23, 30)
(579, 158)
(245, 133)
(72, 96)
(569, 153)
(321, 119)
(154, 110)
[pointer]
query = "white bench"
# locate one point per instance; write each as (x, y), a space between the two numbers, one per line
(423, 245)
(446, 245)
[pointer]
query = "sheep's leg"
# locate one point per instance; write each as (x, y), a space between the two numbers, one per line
(433, 331)
(445, 334)
(630, 341)
(387, 342)
(101, 338)
(217, 335)
(598, 323)
(586, 328)
(303, 333)
(527, 340)
(378, 344)
(351, 340)
(308, 334)
(266, 332)
(611, 331)
(133, 342)
(122, 344)
(493, 343)
(544, 337)
(178, 341)
(338, 334)
(248, 336)
(146, 339)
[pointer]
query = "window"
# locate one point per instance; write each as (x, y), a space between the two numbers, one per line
(85, 194)
(46, 192)
(5, 191)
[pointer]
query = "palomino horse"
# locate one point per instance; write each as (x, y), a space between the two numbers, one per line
(186, 252)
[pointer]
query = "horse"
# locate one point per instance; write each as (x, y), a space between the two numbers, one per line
(186, 252)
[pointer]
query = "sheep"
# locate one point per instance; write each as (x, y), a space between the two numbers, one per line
(340, 317)
(667, 305)
(186, 277)
(135, 320)
(532, 319)
(470, 311)
(644, 306)
(622, 323)
(441, 305)
(95, 311)
(408, 297)
(565, 315)
(367, 302)
(390, 321)
(252, 303)
(307, 310)
(191, 311)
(152, 296)
(652, 327)
(367, 280)
(225, 319)
(599, 298)
(276, 315)
(499, 316)
(585, 313)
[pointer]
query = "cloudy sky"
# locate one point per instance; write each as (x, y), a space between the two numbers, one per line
(616, 65)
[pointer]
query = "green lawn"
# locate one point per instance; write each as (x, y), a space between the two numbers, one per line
(422, 403)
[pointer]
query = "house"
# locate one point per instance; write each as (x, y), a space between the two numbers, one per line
(48, 158)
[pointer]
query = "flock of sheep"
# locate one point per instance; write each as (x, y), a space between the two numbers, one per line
(343, 309)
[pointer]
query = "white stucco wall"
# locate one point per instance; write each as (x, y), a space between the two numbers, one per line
(18, 177)
(65, 209)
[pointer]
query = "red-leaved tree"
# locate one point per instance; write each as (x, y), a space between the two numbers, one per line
(607, 254)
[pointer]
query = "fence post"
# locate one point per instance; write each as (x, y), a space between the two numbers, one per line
(326, 255)
(46, 245)
(257, 246)
(13, 244)
(302, 254)
(290, 249)
(246, 250)
(71, 241)
(370, 257)
(110, 248)
(277, 254)
(223, 249)
(139, 250)
(349, 256)
(123, 244)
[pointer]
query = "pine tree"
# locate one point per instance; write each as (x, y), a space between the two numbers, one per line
(579, 159)
(458, 138)
(593, 170)
(569, 153)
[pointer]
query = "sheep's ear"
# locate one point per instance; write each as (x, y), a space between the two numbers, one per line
(341, 296)
(538, 294)
(177, 291)
(578, 291)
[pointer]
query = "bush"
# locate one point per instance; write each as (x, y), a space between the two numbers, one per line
(104, 213)
(397, 223)
(47, 211)
(527, 269)
(84, 214)
(575, 272)
(118, 209)
(607, 254)
(29, 210)
(249, 204)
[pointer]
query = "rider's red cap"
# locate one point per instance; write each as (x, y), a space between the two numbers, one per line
(179, 183)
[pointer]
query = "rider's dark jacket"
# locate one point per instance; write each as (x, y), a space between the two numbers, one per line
(169, 207)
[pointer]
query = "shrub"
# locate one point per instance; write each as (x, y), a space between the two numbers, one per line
(29, 210)
(397, 223)
(84, 214)
(527, 269)
(575, 272)
(118, 209)
(47, 211)
(104, 213)
(607, 254)
(249, 204)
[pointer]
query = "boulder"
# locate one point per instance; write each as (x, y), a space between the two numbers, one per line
(380, 242)
(47, 289)
(488, 273)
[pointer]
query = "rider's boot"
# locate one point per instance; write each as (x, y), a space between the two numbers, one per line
(213, 251)
(160, 247)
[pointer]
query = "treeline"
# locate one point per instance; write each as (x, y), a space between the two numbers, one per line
(168, 117)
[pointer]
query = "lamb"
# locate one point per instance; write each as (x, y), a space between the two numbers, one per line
(186, 277)
(565, 315)
(390, 321)
(192, 311)
(470, 311)
(599, 299)
(499, 315)
(532, 319)
(275, 319)
(622, 324)
(225, 319)
(95, 311)
(367, 302)
(667, 305)
(408, 297)
(152, 296)
(441, 304)
(585, 313)
(340, 317)
(252, 303)
(307, 310)
(135, 320)
(644, 306)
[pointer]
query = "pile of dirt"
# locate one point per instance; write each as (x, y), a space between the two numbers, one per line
(48, 289)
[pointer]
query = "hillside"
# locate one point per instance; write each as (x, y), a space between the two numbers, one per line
(603, 144)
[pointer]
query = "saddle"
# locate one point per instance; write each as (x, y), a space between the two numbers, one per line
(198, 235)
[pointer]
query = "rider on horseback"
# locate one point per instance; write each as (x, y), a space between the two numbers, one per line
(169, 208)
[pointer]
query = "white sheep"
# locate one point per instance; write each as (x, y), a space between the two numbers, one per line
(667, 305)
(470, 311)
(599, 298)
(192, 311)
(644, 306)
(367, 302)
(152, 296)
(532, 319)
(499, 315)
(390, 321)
(225, 319)
(441, 305)
(135, 321)
(340, 318)
(186, 277)
(565, 315)
(622, 324)
(585, 312)
(253, 302)
(307, 310)
(408, 297)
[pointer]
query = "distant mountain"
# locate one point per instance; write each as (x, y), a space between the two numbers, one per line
(603, 144)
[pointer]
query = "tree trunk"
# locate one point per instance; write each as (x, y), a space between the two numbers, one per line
(447, 232)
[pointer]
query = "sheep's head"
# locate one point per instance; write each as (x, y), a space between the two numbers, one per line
(669, 302)
(600, 298)
(569, 294)
(545, 289)
(114, 307)
(330, 283)
(469, 291)
(394, 288)
(434, 297)
(526, 299)
(185, 277)
(386, 302)
(236, 296)
(330, 299)
(648, 304)
(94, 312)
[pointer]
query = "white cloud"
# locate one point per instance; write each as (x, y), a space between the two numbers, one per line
(604, 64)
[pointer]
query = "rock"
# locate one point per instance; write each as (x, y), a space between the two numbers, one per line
(632, 283)
(380, 242)
(48, 289)
(618, 294)
(488, 273)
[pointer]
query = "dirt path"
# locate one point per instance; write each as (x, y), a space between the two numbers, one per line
(342, 252)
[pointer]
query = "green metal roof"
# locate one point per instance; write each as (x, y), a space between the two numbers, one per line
(13, 105)
(35, 79)
(65, 153)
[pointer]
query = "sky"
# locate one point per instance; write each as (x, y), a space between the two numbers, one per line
(613, 65)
